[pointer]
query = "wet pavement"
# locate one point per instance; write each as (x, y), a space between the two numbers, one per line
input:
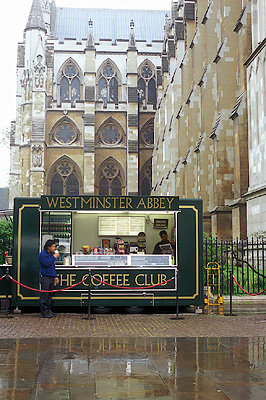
(133, 368)
(119, 357)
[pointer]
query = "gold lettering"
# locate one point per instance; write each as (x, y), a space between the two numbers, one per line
(152, 281)
(69, 205)
(62, 202)
(141, 203)
(146, 280)
(99, 202)
(64, 281)
(125, 280)
(86, 202)
(72, 279)
(112, 279)
(128, 202)
(53, 202)
(105, 278)
(137, 280)
(96, 283)
(163, 279)
(107, 202)
(119, 279)
(75, 199)
(162, 202)
(115, 198)
(150, 202)
(86, 283)
(155, 202)
(122, 202)
(170, 202)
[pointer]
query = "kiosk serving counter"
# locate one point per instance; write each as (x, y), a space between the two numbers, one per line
(97, 225)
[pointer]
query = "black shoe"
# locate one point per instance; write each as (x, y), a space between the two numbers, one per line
(54, 313)
(47, 315)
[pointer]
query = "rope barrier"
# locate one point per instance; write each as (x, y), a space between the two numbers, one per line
(134, 288)
(47, 291)
(76, 284)
(250, 294)
(2, 277)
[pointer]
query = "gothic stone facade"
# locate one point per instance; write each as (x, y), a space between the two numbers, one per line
(200, 147)
(256, 95)
(86, 99)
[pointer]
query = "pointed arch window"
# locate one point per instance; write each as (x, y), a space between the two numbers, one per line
(147, 134)
(64, 178)
(57, 185)
(108, 84)
(110, 133)
(65, 132)
(146, 178)
(147, 91)
(70, 84)
(110, 178)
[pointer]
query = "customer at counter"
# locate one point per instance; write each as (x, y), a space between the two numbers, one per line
(158, 248)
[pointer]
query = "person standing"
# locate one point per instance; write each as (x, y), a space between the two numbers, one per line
(48, 277)
(164, 240)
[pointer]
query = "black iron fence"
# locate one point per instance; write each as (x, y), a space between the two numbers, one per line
(5, 245)
(246, 258)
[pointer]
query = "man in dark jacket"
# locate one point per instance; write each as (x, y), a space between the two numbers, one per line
(157, 249)
(48, 277)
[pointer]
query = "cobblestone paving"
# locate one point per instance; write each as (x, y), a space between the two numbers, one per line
(125, 325)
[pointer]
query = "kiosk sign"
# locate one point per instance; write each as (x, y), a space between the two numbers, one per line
(87, 203)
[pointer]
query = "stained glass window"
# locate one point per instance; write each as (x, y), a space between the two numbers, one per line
(114, 90)
(148, 136)
(110, 135)
(141, 90)
(145, 187)
(152, 91)
(64, 89)
(116, 187)
(56, 186)
(104, 187)
(70, 71)
(72, 186)
(103, 90)
(147, 85)
(75, 90)
(65, 134)
(108, 71)
(70, 84)
(146, 72)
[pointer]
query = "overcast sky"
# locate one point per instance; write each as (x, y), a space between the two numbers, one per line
(14, 17)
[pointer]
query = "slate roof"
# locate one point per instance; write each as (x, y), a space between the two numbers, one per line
(72, 23)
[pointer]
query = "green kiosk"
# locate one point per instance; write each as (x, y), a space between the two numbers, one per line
(112, 238)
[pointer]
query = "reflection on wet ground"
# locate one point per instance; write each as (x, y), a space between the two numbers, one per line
(133, 368)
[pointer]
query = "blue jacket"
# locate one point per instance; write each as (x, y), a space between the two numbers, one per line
(46, 263)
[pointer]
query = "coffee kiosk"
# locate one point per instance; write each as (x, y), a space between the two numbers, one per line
(112, 237)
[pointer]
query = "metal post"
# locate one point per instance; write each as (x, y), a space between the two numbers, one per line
(177, 294)
(89, 296)
(231, 293)
(7, 281)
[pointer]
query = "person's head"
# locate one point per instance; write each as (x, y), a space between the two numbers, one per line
(50, 246)
(164, 236)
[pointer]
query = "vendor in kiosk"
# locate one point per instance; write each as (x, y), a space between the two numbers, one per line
(164, 246)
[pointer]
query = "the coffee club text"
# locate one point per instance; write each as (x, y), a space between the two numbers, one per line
(109, 203)
(123, 280)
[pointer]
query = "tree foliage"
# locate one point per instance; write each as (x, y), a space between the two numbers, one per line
(6, 237)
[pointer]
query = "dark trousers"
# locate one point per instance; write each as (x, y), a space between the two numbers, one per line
(46, 283)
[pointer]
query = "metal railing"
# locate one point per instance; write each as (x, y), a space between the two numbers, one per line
(245, 258)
